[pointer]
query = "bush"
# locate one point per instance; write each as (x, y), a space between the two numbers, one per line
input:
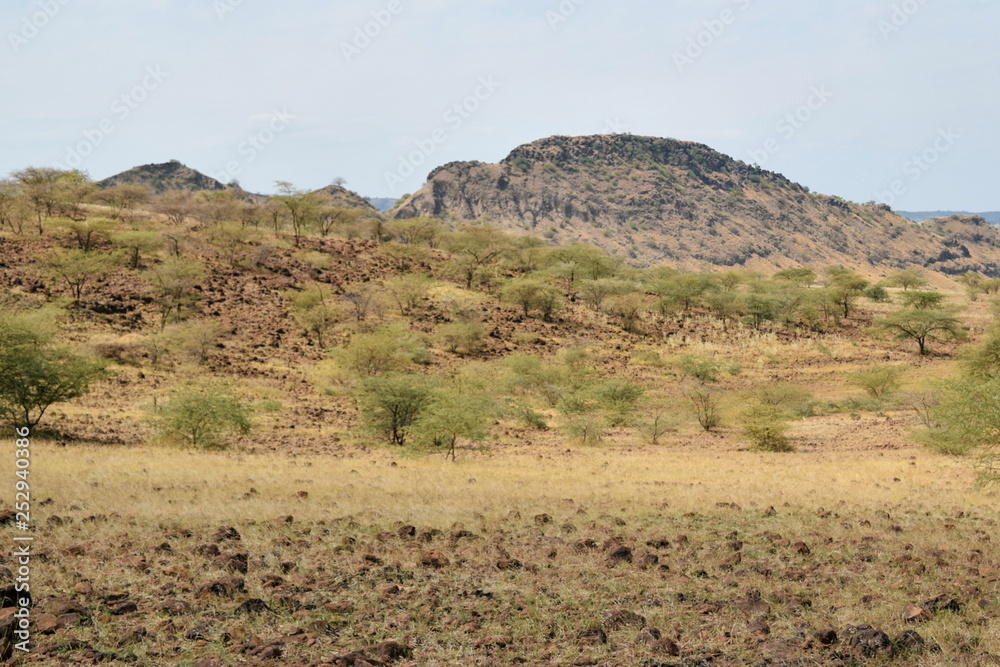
(382, 351)
(796, 400)
(880, 382)
(204, 417)
(656, 427)
(586, 429)
(705, 369)
(314, 312)
(765, 427)
(464, 338)
(452, 415)
(706, 404)
(619, 399)
(392, 403)
(877, 293)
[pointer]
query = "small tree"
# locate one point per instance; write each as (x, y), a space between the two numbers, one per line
(392, 403)
(880, 382)
(35, 374)
(530, 294)
(204, 417)
(453, 415)
(922, 326)
(136, 243)
(172, 285)
(922, 299)
(706, 404)
(122, 199)
(77, 268)
(907, 279)
(314, 313)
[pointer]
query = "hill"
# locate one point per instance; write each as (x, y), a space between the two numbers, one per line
(992, 217)
(383, 203)
(344, 198)
(171, 175)
(659, 201)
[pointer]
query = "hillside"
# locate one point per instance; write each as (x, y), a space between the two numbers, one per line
(665, 201)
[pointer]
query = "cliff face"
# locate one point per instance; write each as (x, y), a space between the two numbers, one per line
(658, 200)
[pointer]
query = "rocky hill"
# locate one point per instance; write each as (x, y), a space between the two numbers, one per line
(344, 198)
(163, 177)
(666, 201)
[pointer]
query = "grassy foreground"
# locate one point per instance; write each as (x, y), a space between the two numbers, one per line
(543, 556)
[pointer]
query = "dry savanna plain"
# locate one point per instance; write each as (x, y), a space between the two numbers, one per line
(582, 515)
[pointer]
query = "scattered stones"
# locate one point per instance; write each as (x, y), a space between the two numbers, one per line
(207, 550)
(801, 548)
(173, 607)
(542, 519)
(226, 534)
(407, 531)
(592, 635)
(759, 626)
(508, 564)
(647, 561)
(942, 602)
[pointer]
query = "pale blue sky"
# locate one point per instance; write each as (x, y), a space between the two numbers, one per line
(887, 80)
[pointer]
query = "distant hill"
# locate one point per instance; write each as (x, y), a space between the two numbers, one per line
(992, 217)
(383, 203)
(341, 196)
(163, 177)
(659, 200)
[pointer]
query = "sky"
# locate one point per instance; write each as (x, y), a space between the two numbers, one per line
(893, 101)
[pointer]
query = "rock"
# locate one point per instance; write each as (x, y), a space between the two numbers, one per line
(251, 607)
(122, 607)
(509, 564)
(665, 646)
(407, 531)
(801, 548)
(910, 641)
(173, 607)
(235, 562)
(284, 520)
(592, 635)
(826, 637)
(914, 614)
(390, 652)
(647, 636)
(434, 559)
(942, 602)
(614, 619)
(226, 586)
(759, 626)
(542, 519)
(661, 543)
(45, 624)
(870, 641)
(207, 550)
(226, 534)
(619, 554)
(647, 561)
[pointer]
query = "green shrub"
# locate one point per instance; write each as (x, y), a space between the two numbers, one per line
(880, 382)
(586, 429)
(464, 337)
(203, 417)
(765, 426)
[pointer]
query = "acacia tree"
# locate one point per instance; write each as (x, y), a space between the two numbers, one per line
(122, 199)
(301, 206)
(35, 374)
(923, 325)
(172, 284)
(50, 191)
(77, 268)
